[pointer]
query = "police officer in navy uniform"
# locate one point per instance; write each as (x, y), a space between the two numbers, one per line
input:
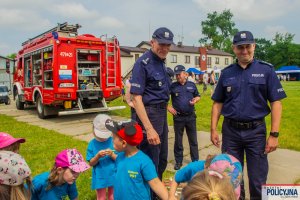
(150, 88)
(241, 96)
(184, 95)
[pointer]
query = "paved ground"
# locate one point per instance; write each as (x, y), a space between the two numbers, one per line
(284, 164)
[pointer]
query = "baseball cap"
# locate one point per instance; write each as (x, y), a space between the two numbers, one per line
(228, 166)
(178, 69)
(6, 140)
(170, 72)
(14, 169)
(243, 37)
(99, 126)
(72, 159)
(163, 36)
(130, 131)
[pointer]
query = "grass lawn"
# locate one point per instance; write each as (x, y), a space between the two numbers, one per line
(289, 131)
(42, 146)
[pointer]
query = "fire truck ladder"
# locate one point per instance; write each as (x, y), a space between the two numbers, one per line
(111, 60)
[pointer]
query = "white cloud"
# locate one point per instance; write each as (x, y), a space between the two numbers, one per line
(108, 22)
(22, 20)
(74, 11)
(251, 10)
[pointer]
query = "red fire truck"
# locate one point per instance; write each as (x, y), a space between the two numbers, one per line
(62, 72)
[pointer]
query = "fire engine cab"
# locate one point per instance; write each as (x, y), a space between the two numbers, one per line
(62, 72)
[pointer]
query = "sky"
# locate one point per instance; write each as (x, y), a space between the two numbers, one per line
(133, 21)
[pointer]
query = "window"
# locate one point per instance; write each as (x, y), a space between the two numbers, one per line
(208, 62)
(136, 56)
(226, 61)
(217, 60)
(187, 59)
(197, 60)
(173, 58)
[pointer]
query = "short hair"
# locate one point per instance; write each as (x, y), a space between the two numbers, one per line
(204, 186)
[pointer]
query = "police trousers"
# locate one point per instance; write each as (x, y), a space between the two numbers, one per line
(157, 115)
(187, 122)
(251, 141)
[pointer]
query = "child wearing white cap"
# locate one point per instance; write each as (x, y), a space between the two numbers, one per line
(98, 155)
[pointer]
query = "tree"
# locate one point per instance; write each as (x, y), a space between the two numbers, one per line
(12, 56)
(219, 30)
(262, 49)
(283, 51)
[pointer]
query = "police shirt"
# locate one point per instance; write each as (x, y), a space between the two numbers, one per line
(182, 95)
(150, 79)
(245, 92)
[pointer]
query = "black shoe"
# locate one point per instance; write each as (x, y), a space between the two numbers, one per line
(177, 166)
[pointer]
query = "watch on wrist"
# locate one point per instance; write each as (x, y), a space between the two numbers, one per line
(274, 134)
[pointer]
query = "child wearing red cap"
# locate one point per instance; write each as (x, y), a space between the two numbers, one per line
(136, 172)
(98, 155)
(60, 182)
(9, 143)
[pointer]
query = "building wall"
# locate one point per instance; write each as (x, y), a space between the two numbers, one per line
(4, 77)
(128, 62)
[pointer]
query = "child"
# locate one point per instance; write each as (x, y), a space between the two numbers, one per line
(135, 170)
(224, 164)
(104, 167)
(9, 143)
(207, 185)
(13, 172)
(60, 182)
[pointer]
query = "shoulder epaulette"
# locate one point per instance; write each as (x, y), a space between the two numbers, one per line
(265, 63)
(146, 61)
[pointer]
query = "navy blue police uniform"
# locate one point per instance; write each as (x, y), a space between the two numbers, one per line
(245, 94)
(151, 81)
(185, 118)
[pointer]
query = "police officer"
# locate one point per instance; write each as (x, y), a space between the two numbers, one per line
(150, 89)
(241, 96)
(184, 95)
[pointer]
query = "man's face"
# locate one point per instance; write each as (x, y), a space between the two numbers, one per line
(161, 50)
(244, 53)
(181, 78)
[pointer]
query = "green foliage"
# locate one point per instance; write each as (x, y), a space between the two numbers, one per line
(262, 49)
(12, 56)
(218, 29)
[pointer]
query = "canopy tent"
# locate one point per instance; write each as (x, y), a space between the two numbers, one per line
(195, 71)
(288, 69)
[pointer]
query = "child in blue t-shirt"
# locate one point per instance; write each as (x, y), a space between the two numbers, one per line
(59, 183)
(97, 155)
(223, 164)
(136, 172)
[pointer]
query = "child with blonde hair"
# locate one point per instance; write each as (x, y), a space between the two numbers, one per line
(209, 185)
(59, 183)
(14, 171)
(9, 143)
(136, 172)
(224, 164)
(98, 151)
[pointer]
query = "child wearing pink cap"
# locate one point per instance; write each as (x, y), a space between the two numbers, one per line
(60, 182)
(98, 151)
(9, 143)
(222, 165)
(14, 171)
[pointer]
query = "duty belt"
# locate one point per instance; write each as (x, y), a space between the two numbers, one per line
(162, 105)
(244, 125)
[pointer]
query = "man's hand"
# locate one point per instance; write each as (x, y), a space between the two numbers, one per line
(172, 110)
(194, 100)
(152, 136)
(271, 145)
(214, 137)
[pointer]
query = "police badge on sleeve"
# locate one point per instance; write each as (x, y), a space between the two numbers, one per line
(228, 89)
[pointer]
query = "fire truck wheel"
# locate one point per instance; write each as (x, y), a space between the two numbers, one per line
(40, 108)
(19, 104)
(7, 102)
